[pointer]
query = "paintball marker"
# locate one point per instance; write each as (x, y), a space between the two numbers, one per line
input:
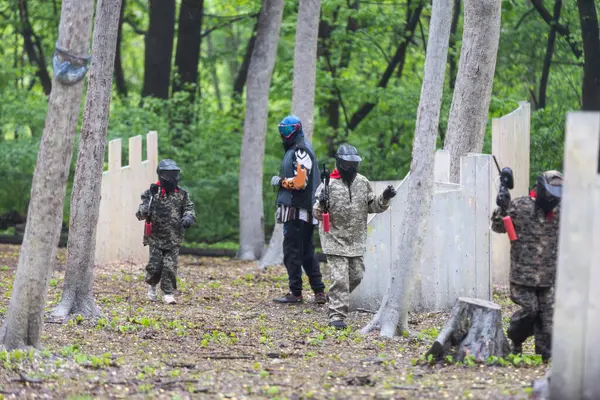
(503, 199)
(324, 198)
(148, 223)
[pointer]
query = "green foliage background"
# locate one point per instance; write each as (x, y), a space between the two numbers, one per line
(210, 157)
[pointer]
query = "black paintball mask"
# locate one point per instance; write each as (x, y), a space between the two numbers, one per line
(168, 175)
(347, 162)
(549, 190)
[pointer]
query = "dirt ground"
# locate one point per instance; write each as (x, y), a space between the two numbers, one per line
(227, 339)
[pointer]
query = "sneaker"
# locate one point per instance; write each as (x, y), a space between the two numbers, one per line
(170, 299)
(339, 324)
(288, 299)
(152, 293)
(320, 298)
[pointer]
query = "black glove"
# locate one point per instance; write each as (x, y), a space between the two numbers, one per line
(153, 189)
(187, 221)
(389, 192)
(503, 198)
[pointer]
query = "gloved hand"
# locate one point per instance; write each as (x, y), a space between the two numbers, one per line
(276, 181)
(187, 221)
(503, 198)
(389, 192)
(153, 189)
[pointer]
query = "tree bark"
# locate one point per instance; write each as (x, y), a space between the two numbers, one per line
(33, 48)
(23, 323)
(85, 199)
(473, 92)
(453, 49)
(187, 55)
(252, 236)
(159, 49)
(393, 312)
(475, 328)
(590, 33)
(242, 75)
(119, 74)
(549, 54)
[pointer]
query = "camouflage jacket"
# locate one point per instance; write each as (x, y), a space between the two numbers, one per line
(166, 213)
(533, 256)
(348, 218)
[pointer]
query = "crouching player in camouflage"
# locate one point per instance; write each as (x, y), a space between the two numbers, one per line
(170, 211)
(533, 258)
(350, 200)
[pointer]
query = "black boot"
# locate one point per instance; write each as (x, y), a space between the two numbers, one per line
(289, 299)
(339, 324)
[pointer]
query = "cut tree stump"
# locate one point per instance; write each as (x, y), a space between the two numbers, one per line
(475, 327)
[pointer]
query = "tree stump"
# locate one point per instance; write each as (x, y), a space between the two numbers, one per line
(475, 327)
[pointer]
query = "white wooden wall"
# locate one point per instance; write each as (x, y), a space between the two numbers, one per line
(119, 235)
(510, 145)
(575, 351)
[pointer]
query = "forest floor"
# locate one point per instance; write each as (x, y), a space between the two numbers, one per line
(227, 339)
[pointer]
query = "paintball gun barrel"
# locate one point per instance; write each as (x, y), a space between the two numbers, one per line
(503, 199)
(324, 197)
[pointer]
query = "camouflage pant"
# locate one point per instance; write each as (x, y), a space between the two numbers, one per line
(162, 268)
(346, 275)
(534, 317)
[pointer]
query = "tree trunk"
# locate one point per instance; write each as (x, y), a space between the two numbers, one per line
(119, 74)
(590, 33)
(33, 48)
(453, 50)
(549, 54)
(393, 312)
(159, 49)
(242, 75)
(85, 200)
(23, 323)
(252, 235)
(187, 55)
(471, 99)
(213, 72)
(475, 328)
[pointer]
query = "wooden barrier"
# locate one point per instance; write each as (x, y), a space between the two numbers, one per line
(119, 234)
(510, 145)
(575, 353)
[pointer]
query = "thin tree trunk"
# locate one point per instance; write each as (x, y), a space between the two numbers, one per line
(473, 92)
(85, 200)
(187, 55)
(549, 54)
(34, 48)
(252, 235)
(242, 75)
(119, 74)
(452, 57)
(590, 33)
(159, 49)
(393, 312)
(23, 323)
(213, 72)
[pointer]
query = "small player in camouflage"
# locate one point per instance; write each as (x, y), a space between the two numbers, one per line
(170, 210)
(533, 258)
(351, 199)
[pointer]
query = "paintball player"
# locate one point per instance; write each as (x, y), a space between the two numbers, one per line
(297, 183)
(170, 210)
(349, 199)
(533, 258)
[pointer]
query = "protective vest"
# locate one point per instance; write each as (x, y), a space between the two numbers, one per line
(303, 198)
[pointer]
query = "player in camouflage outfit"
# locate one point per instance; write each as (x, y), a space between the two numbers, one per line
(533, 258)
(171, 212)
(351, 199)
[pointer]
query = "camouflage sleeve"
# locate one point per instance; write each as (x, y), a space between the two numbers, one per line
(188, 208)
(317, 212)
(142, 211)
(377, 204)
(497, 223)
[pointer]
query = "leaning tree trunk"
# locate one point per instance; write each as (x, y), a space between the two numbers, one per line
(471, 99)
(23, 323)
(475, 328)
(303, 98)
(252, 235)
(393, 312)
(590, 33)
(85, 200)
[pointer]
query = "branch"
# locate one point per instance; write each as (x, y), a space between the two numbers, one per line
(134, 26)
(525, 15)
(560, 28)
(230, 22)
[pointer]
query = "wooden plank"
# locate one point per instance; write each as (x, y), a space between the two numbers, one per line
(483, 179)
(575, 257)
(135, 151)
(114, 155)
(468, 167)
